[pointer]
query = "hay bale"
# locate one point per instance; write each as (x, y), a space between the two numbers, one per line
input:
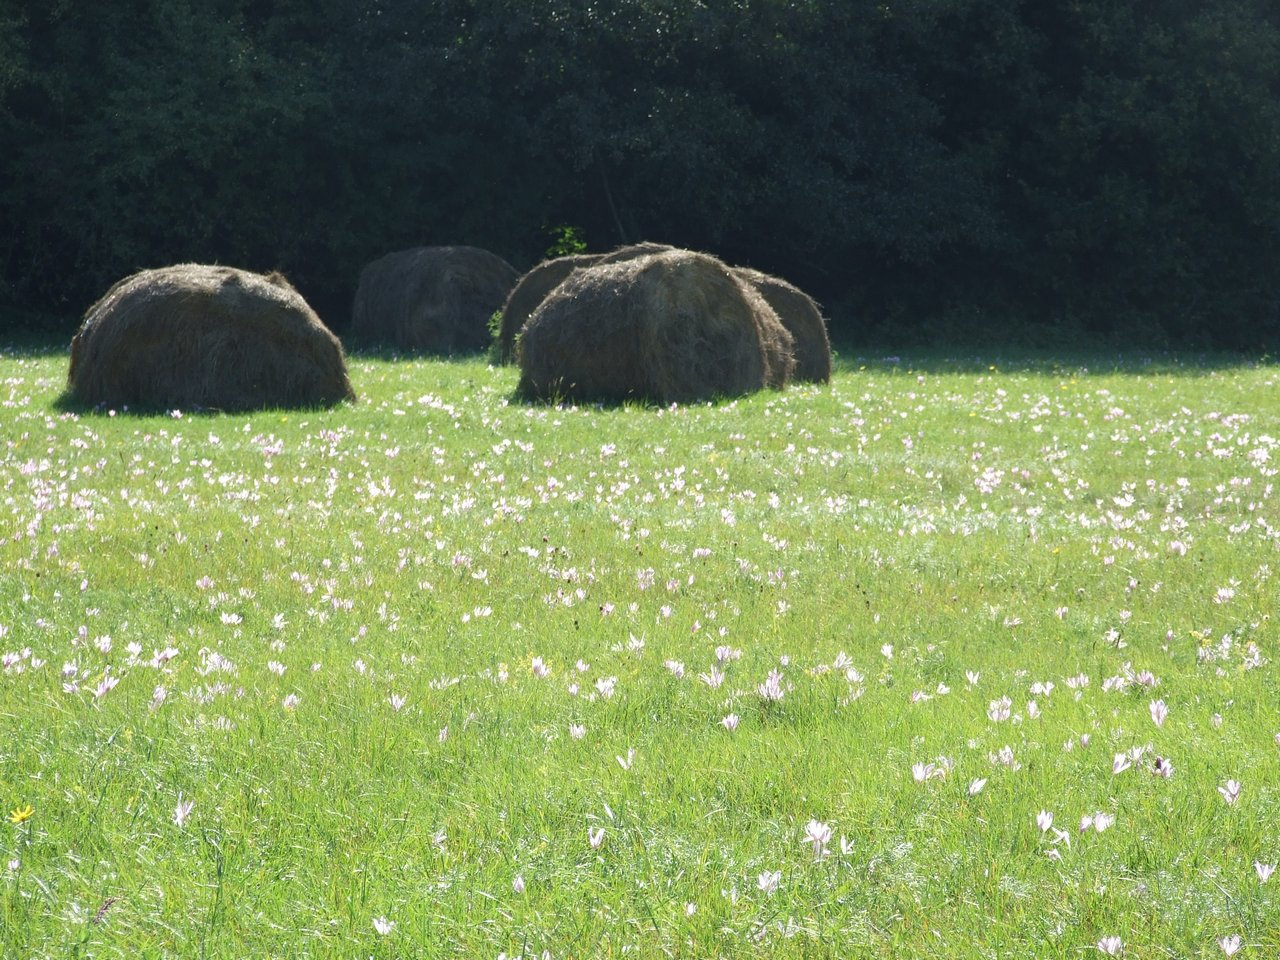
(672, 327)
(531, 291)
(194, 336)
(431, 299)
(803, 319)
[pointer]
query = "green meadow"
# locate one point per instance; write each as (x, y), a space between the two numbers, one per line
(959, 656)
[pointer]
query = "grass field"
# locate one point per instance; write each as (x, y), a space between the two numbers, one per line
(952, 658)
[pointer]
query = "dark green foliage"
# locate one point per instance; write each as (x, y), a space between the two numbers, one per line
(918, 165)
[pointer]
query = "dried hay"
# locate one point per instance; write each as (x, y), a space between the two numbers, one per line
(633, 250)
(531, 291)
(431, 299)
(535, 285)
(672, 327)
(193, 336)
(803, 318)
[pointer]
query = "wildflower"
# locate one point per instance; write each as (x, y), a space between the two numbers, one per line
(383, 925)
(971, 677)
(540, 669)
(975, 786)
(1265, 870)
(606, 686)
(577, 731)
(771, 690)
(1230, 791)
(768, 881)
(1111, 946)
(712, 679)
(922, 771)
(625, 762)
(397, 702)
(999, 710)
(1162, 768)
(730, 722)
(290, 702)
(1230, 945)
(1044, 820)
(595, 836)
(1158, 712)
(518, 884)
(182, 810)
(817, 834)
(21, 814)
(1121, 763)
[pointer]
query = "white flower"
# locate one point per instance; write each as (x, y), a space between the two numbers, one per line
(975, 786)
(817, 834)
(1111, 946)
(1265, 870)
(1044, 820)
(182, 810)
(383, 925)
(518, 884)
(1158, 712)
(771, 690)
(730, 722)
(768, 881)
(595, 837)
(1230, 791)
(1230, 945)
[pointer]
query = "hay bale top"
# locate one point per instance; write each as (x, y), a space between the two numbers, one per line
(531, 290)
(634, 250)
(194, 336)
(431, 299)
(802, 316)
(672, 327)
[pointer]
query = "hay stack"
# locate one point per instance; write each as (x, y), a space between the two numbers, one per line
(672, 327)
(802, 318)
(194, 336)
(531, 291)
(431, 299)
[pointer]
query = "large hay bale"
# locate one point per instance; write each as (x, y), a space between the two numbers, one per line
(431, 299)
(672, 327)
(194, 336)
(803, 319)
(531, 291)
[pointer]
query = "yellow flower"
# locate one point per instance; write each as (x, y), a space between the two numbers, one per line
(21, 814)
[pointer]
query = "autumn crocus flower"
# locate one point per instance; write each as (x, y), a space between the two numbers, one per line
(1230, 791)
(817, 834)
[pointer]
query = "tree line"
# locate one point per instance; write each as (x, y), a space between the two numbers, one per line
(1007, 168)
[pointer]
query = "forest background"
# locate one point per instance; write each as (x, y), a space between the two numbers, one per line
(1013, 170)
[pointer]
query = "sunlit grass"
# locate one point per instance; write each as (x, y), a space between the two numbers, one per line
(369, 681)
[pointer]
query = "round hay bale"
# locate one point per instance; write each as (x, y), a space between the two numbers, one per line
(803, 319)
(531, 291)
(431, 299)
(672, 327)
(194, 336)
